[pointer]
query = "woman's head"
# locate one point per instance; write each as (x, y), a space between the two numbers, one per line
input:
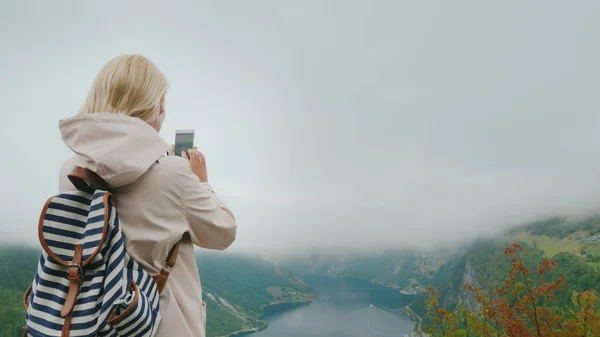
(129, 85)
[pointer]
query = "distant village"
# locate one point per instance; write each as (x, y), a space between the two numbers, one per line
(588, 239)
(414, 290)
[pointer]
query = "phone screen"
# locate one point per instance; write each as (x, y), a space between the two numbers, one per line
(184, 140)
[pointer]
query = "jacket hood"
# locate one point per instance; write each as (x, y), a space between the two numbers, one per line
(119, 148)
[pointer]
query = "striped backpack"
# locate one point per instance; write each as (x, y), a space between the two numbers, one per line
(86, 284)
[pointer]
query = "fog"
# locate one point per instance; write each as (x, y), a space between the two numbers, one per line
(340, 124)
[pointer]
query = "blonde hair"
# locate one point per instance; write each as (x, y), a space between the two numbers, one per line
(129, 85)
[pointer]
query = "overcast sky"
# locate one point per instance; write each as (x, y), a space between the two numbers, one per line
(328, 123)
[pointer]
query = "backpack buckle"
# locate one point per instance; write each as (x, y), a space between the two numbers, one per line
(166, 267)
(78, 266)
(75, 279)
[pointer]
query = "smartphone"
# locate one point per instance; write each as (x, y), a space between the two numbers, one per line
(184, 140)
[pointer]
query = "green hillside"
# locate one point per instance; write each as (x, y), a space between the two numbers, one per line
(17, 266)
(558, 235)
(236, 289)
(484, 265)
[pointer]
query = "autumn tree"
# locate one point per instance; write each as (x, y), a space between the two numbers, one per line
(523, 306)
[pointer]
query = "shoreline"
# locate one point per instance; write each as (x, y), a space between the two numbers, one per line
(283, 305)
(269, 309)
(418, 322)
(248, 331)
(417, 332)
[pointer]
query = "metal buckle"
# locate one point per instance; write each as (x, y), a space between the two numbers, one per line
(166, 267)
(78, 266)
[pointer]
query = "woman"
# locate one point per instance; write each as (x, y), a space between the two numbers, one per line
(160, 198)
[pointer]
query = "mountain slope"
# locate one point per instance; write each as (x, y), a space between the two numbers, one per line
(236, 289)
(405, 270)
(484, 265)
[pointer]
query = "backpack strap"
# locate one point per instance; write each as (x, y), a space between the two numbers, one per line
(82, 177)
(75, 275)
(165, 271)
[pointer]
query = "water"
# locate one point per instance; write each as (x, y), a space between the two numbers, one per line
(343, 310)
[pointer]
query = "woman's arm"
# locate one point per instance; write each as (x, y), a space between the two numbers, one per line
(212, 225)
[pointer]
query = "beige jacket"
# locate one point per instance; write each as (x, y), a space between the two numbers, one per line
(159, 200)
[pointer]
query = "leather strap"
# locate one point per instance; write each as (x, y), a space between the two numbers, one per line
(172, 257)
(26, 296)
(114, 318)
(75, 281)
(66, 331)
(82, 177)
(162, 277)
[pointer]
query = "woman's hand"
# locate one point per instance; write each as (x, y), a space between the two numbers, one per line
(197, 163)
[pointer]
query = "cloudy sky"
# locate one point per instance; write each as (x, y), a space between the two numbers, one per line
(329, 122)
